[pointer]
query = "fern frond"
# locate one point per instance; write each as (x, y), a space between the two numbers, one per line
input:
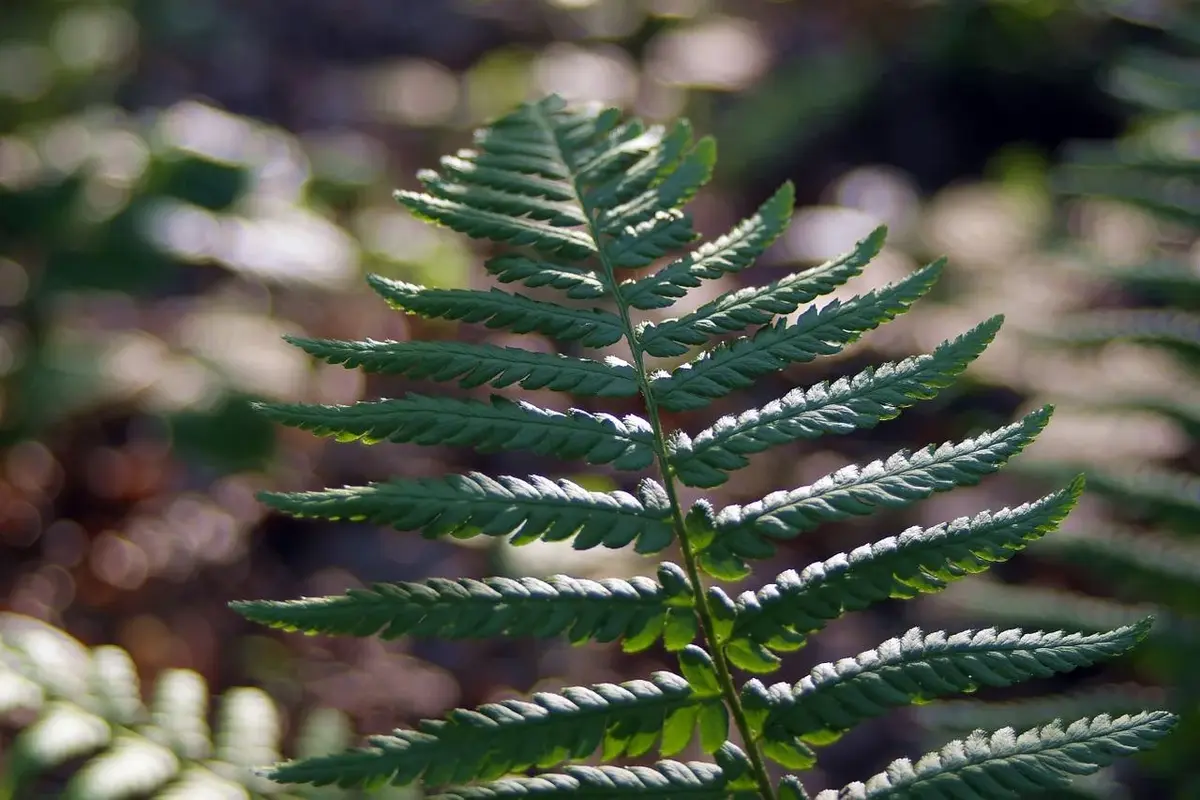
(1160, 327)
(678, 187)
(1166, 568)
(646, 172)
(757, 305)
(1157, 493)
(960, 717)
(666, 780)
(1005, 764)
(478, 364)
(842, 406)
(638, 611)
(816, 332)
(1046, 608)
(578, 283)
(499, 226)
(919, 667)
(502, 424)
(514, 735)
(476, 504)
(591, 327)
(782, 614)
(901, 479)
(728, 254)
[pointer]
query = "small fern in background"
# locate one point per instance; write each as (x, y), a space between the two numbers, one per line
(81, 712)
(588, 201)
(1149, 560)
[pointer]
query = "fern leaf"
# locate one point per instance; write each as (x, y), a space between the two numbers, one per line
(578, 283)
(728, 254)
(757, 305)
(1164, 567)
(496, 309)
(501, 424)
(897, 481)
(960, 717)
(843, 406)
(556, 212)
(678, 187)
(1036, 605)
(782, 614)
(640, 245)
(498, 226)
(817, 332)
(635, 610)
(666, 780)
(478, 364)
(132, 766)
(476, 504)
(919, 667)
(643, 175)
(513, 735)
(1005, 764)
(1160, 327)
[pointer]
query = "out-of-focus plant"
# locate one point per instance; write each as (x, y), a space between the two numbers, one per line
(1136, 202)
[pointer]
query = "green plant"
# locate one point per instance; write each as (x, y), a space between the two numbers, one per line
(595, 198)
(1143, 554)
(80, 711)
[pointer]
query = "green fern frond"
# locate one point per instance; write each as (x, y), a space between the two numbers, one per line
(1046, 608)
(592, 327)
(757, 305)
(901, 479)
(816, 332)
(476, 504)
(626, 443)
(1161, 327)
(83, 718)
(782, 614)
(573, 197)
(1161, 567)
(727, 255)
(725, 780)
(843, 406)
(919, 667)
(576, 282)
(1005, 764)
(496, 739)
(478, 364)
(639, 611)
(960, 717)
(1158, 493)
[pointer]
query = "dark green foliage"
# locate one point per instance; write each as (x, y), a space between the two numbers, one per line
(83, 708)
(587, 196)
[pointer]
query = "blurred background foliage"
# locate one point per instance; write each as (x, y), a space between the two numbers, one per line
(182, 183)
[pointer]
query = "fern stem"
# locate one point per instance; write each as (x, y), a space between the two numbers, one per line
(703, 610)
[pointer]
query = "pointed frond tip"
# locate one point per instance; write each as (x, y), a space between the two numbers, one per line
(474, 365)
(780, 616)
(638, 611)
(839, 407)
(895, 482)
(476, 504)
(919, 667)
(817, 332)
(496, 739)
(502, 424)
(757, 305)
(1004, 764)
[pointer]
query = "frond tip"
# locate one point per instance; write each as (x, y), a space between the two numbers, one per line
(1004, 764)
